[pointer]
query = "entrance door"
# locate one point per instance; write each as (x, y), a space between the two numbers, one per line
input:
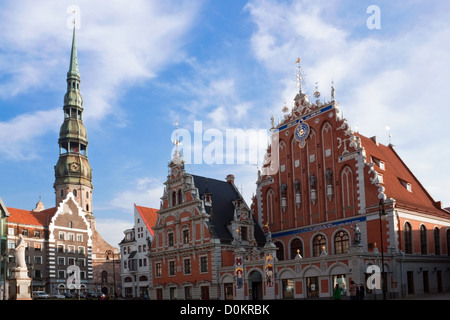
(255, 279)
(426, 282)
(410, 276)
(205, 292)
(439, 281)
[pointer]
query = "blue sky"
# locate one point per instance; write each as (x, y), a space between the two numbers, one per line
(227, 64)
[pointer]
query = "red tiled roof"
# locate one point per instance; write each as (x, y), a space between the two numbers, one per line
(148, 215)
(396, 172)
(41, 218)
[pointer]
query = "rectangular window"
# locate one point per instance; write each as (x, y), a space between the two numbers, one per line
(62, 235)
(244, 233)
(187, 266)
(37, 246)
(203, 264)
(186, 236)
(171, 268)
(71, 236)
(60, 248)
(170, 239)
(61, 261)
(25, 232)
(79, 237)
(11, 231)
(37, 260)
(61, 274)
(80, 250)
(158, 269)
(37, 234)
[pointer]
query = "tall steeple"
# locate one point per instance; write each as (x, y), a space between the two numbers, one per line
(73, 68)
(73, 172)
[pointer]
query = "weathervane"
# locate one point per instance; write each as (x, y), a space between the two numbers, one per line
(176, 142)
(317, 92)
(332, 90)
(299, 75)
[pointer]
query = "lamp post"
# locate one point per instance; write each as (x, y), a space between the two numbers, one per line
(382, 214)
(110, 252)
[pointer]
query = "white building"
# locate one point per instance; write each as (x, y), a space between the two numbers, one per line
(135, 265)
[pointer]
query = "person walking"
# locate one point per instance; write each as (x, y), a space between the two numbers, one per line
(337, 292)
(353, 290)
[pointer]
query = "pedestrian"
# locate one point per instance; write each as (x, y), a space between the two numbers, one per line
(353, 290)
(361, 292)
(337, 292)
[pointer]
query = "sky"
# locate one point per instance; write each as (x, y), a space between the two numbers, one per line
(214, 68)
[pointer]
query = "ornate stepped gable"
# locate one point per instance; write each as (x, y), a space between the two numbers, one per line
(326, 171)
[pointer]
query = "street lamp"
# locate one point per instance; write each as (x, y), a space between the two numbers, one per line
(382, 214)
(110, 252)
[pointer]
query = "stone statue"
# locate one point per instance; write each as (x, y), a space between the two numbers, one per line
(329, 174)
(283, 188)
(297, 186)
(312, 180)
(356, 235)
(20, 253)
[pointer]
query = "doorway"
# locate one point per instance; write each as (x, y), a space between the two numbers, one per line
(255, 279)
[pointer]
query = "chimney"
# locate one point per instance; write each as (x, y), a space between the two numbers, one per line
(375, 139)
(230, 178)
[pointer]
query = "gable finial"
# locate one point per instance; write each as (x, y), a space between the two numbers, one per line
(299, 75)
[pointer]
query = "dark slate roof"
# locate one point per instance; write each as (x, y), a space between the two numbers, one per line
(222, 195)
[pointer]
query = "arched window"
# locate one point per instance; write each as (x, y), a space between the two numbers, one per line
(341, 242)
(319, 244)
(437, 241)
(423, 239)
(348, 203)
(104, 276)
(408, 238)
(448, 242)
(174, 198)
(280, 251)
(185, 235)
(270, 198)
(180, 197)
(296, 244)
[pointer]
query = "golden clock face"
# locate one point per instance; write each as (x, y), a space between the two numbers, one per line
(301, 133)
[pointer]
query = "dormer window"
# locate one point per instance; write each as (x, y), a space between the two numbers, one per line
(380, 163)
(406, 184)
(380, 178)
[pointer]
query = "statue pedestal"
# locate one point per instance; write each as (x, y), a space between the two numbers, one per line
(20, 285)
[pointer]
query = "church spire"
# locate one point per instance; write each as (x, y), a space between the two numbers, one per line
(73, 68)
(73, 172)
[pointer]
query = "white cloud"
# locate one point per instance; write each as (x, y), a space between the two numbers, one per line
(145, 192)
(15, 134)
(112, 230)
(118, 45)
(395, 79)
